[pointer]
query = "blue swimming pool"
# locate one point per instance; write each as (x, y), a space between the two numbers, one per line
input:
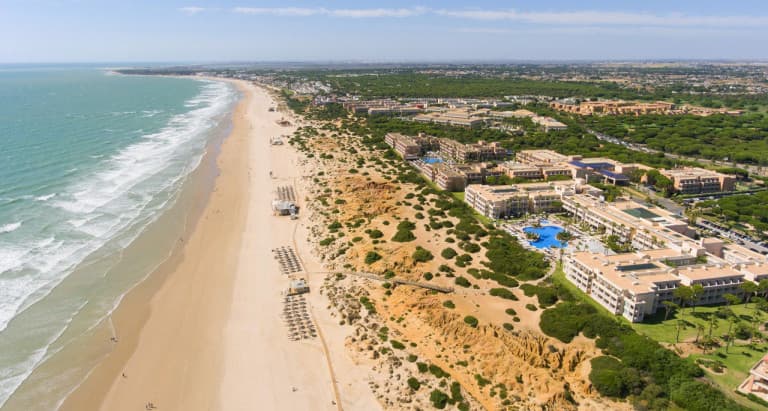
(432, 160)
(547, 236)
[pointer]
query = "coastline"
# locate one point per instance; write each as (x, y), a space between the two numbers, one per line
(207, 331)
(134, 313)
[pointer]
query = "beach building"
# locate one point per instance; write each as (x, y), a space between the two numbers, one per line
(413, 147)
(757, 381)
(633, 223)
(543, 157)
(694, 180)
(548, 123)
(298, 287)
(521, 113)
(636, 284)
(515, 200)
(450, 179)
(480, 151)
(613, 107)
(452, 118)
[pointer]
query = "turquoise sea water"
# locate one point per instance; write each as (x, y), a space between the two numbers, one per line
(88, 162)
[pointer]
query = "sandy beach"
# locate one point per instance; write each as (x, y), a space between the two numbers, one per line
(208, 334)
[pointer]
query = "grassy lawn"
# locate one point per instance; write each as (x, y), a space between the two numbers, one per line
(737, 361)
(665, 331)
(459, 196)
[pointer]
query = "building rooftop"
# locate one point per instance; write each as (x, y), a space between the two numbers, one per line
(691, 172)
(706, 272)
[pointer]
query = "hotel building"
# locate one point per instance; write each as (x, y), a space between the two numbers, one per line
(514, 200)
(634, 285)
(693, 180)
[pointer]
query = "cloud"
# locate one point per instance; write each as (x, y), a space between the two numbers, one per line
(564, 18)
(607, 18)
(363, 13)
(348, 13)
(278, 11)
(192, 10)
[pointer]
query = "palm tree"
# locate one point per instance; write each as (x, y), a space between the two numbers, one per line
(669, 306)
(684, 294)
(760, 304)
(762, 287)
(564, 236)
(712, 324)
(730, 299)
(696, 291)
(749, 289)
(699, 329)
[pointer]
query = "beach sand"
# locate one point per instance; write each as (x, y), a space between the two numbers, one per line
(210, 335)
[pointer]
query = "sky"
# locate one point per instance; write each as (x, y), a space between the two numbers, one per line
(201, 31)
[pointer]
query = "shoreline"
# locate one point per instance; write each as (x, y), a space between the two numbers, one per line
(209, 330)
(133, 313)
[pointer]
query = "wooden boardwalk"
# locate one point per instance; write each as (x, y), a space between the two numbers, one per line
(403, 282)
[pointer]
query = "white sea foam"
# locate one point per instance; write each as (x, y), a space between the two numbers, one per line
(45, 197)
(7, 228)
(127, 193)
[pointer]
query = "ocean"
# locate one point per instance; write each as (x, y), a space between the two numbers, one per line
(93, 172)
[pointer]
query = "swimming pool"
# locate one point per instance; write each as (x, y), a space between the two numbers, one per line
(432, 160)
(547, 236)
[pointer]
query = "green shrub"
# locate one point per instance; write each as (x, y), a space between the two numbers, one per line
(368, 304)
(422, 255)
(397, 345)
(414, 384)
(403, 236)
(531, 307)
(606, 376)
(546, 295)
(428, 276)
(406, 225)
(482, 382)
(456, 392)
(412, 358)
(372, 257)
(422, 367)
(508, 326)
(448, 253)
(503, 293)
(470, 247)
(438, 372)
(438, 398)
(463, 282)
(375, 234)
(472, 321)
(449, 304)
(510, 311)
